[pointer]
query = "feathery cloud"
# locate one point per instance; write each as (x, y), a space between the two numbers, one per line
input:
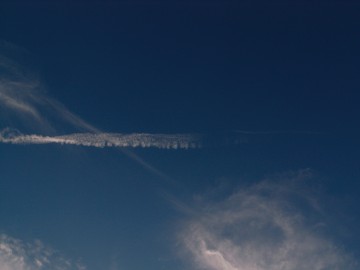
(18, 255)
(268, 226)
(23, 99)
(22, 94)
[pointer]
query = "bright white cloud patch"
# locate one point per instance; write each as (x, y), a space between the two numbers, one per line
(268, 226)
(17, 255)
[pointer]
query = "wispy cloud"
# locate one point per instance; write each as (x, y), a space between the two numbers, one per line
(19, 97)
(100, 140)
(18, 255)
(22, 94)
(24, 100)
(269, 226)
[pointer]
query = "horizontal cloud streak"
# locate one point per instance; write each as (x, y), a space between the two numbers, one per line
(18, 255)
(268, 226)
(100, 140)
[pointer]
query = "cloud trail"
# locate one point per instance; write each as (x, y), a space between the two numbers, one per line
(18, 255)
(25, 105)
(101, 140)
(269, 226)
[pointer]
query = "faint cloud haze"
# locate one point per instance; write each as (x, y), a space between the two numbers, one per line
(18, 255)
(272, 225)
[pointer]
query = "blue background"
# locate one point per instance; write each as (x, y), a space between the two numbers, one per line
(210, 67)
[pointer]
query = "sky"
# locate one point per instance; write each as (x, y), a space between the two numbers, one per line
(217, 135)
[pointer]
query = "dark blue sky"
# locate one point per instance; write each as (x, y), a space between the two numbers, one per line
(282, 77)
(215, 66)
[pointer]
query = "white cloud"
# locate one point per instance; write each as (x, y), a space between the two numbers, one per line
(18, 255)
(22, 94)
(272, 225)
(100, 140)
(23, 100)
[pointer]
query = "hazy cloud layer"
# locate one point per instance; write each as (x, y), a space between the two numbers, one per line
(268, 226)
(18, 255)
(162, 141)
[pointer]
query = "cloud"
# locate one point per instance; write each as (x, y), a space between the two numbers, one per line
(100, 140)
(25, 106)
(272, 225)
(19, 96)
(17, 104)
(22, 95)
(18, 255)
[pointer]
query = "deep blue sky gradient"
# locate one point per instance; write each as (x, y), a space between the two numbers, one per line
(206, 67)
(213, 66)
